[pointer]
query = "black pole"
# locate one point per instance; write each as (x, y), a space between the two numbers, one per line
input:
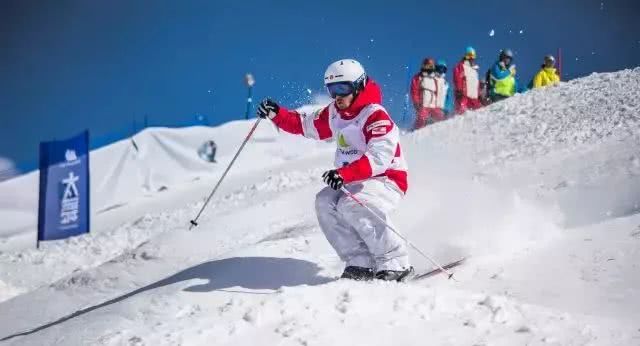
(194, 222)
(249, 101)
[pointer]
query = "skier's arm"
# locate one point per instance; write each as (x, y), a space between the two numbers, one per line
(314, 126)
(289, 121)
(381, 136)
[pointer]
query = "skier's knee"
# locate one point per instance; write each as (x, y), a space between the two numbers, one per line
(325, 199)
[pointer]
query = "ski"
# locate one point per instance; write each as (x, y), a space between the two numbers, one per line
(435, 271)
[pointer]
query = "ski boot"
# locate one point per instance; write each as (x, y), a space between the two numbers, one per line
(394, 275)
(357, 273)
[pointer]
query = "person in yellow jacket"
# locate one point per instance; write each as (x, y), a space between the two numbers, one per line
(547, 74)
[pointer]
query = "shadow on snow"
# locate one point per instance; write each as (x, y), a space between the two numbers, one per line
(254, 273)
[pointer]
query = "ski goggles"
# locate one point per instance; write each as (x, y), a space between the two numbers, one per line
(340, 89)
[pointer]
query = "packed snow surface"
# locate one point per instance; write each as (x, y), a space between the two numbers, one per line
(541, 190)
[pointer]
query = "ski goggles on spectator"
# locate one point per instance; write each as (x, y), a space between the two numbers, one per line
(441, 69)
(340, 89)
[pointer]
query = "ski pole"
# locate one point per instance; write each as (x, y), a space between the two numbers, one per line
(194, 222)
(352, 196)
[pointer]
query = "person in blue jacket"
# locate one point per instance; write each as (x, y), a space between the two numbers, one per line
(501, 78)
(441, 76)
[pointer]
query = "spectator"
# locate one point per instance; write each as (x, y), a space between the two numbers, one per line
(467, 83)
(441, 76)
(501, 78)
(424, 95)
(547, 74)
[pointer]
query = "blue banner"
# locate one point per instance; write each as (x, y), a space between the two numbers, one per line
(63, 206)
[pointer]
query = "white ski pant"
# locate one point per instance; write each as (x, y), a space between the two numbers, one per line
(359, 238)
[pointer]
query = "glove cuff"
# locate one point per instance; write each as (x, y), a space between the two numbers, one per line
(274, 112)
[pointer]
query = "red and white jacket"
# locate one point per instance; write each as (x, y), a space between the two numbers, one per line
(427, 91)
(368, 141)
(466, 79)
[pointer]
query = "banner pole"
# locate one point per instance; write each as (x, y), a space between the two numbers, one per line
(560, 63)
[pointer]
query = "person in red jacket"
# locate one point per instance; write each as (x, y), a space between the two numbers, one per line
(425, 92)
(466, 81)
(369, 163)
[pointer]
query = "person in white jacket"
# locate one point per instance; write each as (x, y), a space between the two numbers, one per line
(369, 163)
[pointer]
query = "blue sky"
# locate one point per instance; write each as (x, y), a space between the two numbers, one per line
(70, 65)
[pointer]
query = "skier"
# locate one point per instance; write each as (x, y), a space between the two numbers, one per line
(467, 83)
(441, 77)
(501, 78)
(369, 163)
(425, 94)
(547, 74)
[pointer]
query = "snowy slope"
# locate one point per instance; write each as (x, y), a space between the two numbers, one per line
(134, 170)
(542, 190)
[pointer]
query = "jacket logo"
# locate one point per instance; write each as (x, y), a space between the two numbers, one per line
(344, 148)
(379, 123)
(379, 131)
(342, 142)
(348, 152)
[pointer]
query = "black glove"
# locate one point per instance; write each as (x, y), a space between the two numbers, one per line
(459, 94)
(333, 179)
(267, 109)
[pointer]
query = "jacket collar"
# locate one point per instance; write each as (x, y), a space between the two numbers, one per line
(370, 94)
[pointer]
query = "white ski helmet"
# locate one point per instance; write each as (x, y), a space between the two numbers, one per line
(346, 70)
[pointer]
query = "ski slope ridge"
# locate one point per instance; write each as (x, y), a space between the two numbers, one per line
(541, 189)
